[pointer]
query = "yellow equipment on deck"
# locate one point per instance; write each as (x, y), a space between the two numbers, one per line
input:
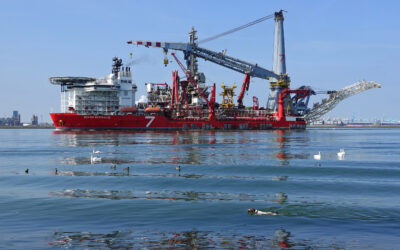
(227, 96)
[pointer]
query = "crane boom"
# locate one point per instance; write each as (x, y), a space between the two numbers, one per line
(220, 58)
(191, 80)
(277, 77)
(337, 96)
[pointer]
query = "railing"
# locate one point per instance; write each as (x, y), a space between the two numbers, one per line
(221, 114)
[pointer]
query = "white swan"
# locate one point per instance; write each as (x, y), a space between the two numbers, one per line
(318, 156)
(96, 152)
(94, 159)
(341, 154)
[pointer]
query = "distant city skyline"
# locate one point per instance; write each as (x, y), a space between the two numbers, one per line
(15, 119)
(329, 45)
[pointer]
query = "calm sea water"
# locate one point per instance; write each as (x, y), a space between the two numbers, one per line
(145, 202)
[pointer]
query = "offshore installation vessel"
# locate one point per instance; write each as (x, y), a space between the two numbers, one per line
(109, 103)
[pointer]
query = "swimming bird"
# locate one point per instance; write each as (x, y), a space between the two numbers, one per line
(178, 168)
(96, 151)
(94, 159)
(318, 156)
(113, 166)
(280, 178)
(27, 171)
(258, 212)
(341, 153)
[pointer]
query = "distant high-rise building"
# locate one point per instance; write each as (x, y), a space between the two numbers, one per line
(35, 120)
(16, 118)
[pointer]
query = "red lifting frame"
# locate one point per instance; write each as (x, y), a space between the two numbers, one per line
(245, 87)
(284, 93)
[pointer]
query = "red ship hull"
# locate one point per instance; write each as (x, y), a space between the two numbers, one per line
(73, 121)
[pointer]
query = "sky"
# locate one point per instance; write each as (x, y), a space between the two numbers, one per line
(329, 45)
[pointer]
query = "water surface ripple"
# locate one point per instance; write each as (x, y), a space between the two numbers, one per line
(181, 189)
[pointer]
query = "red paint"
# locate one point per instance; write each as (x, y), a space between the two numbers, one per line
(146, 121)
(245, 87)
(255, 103)
(129, 109)
(283, 94)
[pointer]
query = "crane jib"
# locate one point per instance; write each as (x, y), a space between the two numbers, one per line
(216, 57)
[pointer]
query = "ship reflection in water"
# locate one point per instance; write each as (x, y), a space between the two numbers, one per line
(278, 239)
(283, 139)
(172, 195)
(203, 157)
(182, 147)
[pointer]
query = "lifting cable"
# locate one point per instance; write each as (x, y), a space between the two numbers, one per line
(237, 28)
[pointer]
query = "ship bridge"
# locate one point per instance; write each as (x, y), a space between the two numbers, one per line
(89, 95)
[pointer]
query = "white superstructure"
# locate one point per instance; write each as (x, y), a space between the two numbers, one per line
(102, 96)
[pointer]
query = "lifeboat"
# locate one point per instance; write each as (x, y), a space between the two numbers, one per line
(129, 109)
(152, 109)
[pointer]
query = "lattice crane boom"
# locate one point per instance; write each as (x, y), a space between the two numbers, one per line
(219, 58)
(335, 97)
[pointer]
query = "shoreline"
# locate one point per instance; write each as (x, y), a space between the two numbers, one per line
(27, 127)
(353, 126)
(308, 126)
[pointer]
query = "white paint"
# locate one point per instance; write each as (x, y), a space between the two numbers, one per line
(151, 120)
(290, 118)
(341, 154)
(318, 156)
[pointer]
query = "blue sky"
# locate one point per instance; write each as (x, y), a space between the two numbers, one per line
(329, 45)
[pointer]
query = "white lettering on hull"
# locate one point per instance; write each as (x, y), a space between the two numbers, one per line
(151, 120)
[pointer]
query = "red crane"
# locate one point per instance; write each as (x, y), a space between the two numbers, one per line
(211, 103)
(175, 88)
(284, 93)
(255, 103)
(245, 87)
